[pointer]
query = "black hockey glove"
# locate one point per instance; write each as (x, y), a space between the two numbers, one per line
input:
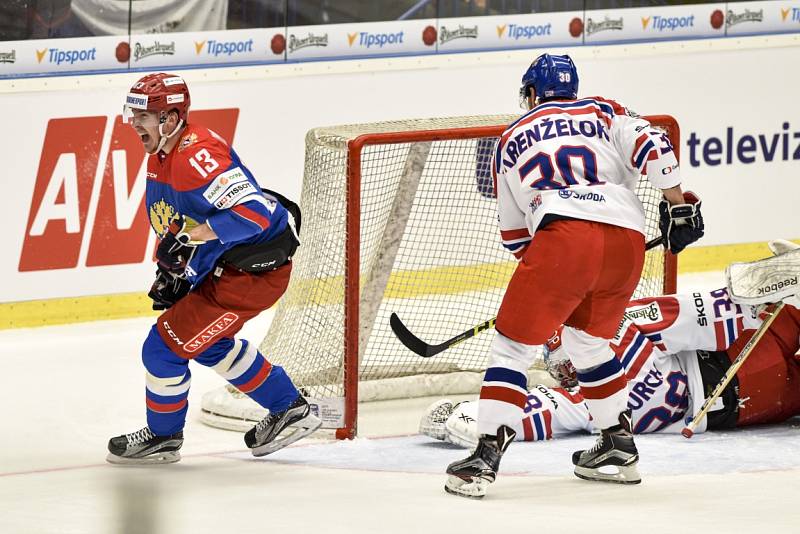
(681, 224)
(167, 290)
(174, 252)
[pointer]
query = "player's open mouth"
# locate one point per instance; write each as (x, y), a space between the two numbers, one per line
(145, 138)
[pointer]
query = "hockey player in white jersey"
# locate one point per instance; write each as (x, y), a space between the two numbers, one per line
(674, 350)
(565, 174)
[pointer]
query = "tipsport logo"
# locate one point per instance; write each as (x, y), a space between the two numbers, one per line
(667, 24)
(215, 48)
(369, 40)
(515, 32)
(58, 56)
(791, 14)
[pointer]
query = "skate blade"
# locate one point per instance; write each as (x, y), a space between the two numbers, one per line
(153, 459)
(308, 425)
(623, 475)
(471, 489)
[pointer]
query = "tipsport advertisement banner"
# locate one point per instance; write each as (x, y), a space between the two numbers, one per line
(59, 56)
(654, 23)
(343, 41)
(748, 18)
(508, 31)
(202, 48)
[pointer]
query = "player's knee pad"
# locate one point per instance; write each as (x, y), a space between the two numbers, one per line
(234, 362)
(585, 350)
(506, 352)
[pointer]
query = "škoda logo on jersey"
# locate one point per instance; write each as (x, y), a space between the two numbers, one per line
(67, 223)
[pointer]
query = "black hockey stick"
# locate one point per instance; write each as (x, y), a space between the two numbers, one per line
(426, 350)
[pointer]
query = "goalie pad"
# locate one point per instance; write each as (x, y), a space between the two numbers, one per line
(766, 280)
(461, 428)
(432, 422)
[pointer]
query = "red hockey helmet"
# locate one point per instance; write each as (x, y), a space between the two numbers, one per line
(557, 361)
(159, 92)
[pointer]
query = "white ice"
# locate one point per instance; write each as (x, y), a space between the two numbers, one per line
(67, 389)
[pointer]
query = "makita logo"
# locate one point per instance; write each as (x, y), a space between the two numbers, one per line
(446, 35)
(310, 40)
(8, 57)
(68, 227)
(211, 331)
(606, 24)
(772, 288)
(156, 49)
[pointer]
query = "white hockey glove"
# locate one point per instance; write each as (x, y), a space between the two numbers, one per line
(681, 224)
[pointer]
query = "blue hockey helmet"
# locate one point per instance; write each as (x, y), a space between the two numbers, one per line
(551, 76)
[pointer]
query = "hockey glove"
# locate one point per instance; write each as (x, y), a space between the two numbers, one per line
(174, 252)
(681, 224)
(167, 290)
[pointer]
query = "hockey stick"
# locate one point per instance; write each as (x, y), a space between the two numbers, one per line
(427, 350)
(688, 430)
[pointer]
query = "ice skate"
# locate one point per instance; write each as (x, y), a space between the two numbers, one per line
(471, 476)
(143, 447)
(279, 429)
(613, 458)
(432, 423)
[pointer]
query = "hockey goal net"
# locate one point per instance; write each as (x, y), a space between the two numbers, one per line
(398, 217)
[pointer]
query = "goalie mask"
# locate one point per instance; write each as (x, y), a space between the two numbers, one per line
(159, 93)
(557, 361)
(551, 77)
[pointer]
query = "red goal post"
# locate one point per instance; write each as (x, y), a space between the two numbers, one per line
(399, 217)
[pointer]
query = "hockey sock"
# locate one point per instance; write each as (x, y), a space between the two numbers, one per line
(244, 367)
(167, 386)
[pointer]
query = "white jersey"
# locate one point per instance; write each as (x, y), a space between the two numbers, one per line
(657, 343)
(581, 159)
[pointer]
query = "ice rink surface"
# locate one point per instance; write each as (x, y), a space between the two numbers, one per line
(67, 389)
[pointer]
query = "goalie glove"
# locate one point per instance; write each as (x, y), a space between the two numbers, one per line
(681, 224)
(167, 290)
(175, 251)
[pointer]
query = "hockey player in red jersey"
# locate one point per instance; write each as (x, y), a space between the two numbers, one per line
(564, 175)
(224, 257)
(674, 350)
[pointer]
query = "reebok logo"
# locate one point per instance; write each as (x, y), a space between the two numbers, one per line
(772, 288)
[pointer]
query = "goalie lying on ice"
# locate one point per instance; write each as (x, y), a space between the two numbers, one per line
(674, 350)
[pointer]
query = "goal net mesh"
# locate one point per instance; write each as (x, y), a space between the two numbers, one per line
(429, 250)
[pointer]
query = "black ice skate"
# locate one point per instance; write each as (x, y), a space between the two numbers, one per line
(613, 458)
(277, 430)
(144, 447)
(471, 476)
